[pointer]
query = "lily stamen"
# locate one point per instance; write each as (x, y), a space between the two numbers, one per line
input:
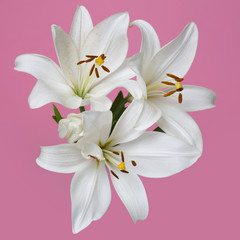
(122, 156)
(108, 156)
(180, 98)
(121, 166)
(177, 79)
(91, 56)
(94, 157)
(114, 174)
(134, 163)
(96, 72)
(80, 62)
(169, 93)
(89, 60)
(105, 69)
(168, 83)
(117, 153)
(99, 60)
(91, 71)
(177, 85)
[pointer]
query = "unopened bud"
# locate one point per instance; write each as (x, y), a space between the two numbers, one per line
(71, 127)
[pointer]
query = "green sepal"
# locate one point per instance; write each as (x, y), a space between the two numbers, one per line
(57, 117)
(158, 129)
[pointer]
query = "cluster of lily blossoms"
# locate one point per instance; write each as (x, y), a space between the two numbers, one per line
(111, 139)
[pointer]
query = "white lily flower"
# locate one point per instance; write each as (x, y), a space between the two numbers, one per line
(126, 152)
(92, 61)
(160, 76)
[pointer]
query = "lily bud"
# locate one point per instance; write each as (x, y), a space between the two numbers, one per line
(71, 127)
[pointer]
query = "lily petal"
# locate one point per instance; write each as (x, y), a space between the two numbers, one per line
(150, 115)
(51, 86)
(132, 193)
(124, 129)
(195, 98)
(97, 126)
(176, 57)
(150, 42)
(90, 194)
(178, 123)
(122, 74)
(67, 54)
(135, 63)
(103, 39)
(81, 26)
(100, 104)
(158, 155)
(91, 149)
(64, 158)
(41, 95)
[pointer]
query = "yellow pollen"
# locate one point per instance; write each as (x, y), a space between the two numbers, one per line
(178, 85)
(99, 60)
(121, 166)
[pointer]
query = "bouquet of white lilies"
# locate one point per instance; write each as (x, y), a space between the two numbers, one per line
(112, 136)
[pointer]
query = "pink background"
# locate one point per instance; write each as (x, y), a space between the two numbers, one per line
(201, 202)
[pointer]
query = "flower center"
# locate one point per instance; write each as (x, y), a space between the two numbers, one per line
(113, 157)
(99, 60)
(177, 84)
(121, 166)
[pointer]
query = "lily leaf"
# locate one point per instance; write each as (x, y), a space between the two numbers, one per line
(82, 109)
(158, 129)
(57, 117)
(118, 107)
(117, 100)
